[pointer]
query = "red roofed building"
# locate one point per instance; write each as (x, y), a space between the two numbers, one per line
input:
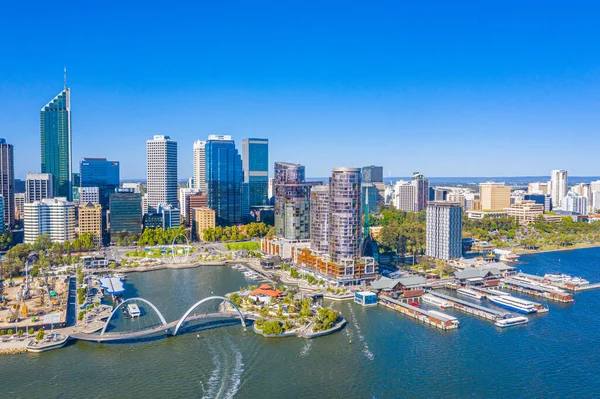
(267, 290)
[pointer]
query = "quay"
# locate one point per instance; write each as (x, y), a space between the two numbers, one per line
(433, 318)
(472, 308)
(537, 290)
(583, 287)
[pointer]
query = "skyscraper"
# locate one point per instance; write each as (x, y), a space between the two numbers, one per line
(161, 169)
(345, 214)
(199, 166)
(558, 187)
(224, 177)
(372, 174)
(56, 142)
(98, 172)
(319, 219)
(255, 163)
(494, 196)
(421, 186)
(7, 182)
(55, 217)
(125, 212)
(38, 186)
(404, 196)
(444, 230)
(292, 201)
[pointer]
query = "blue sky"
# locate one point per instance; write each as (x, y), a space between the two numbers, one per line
(446, 88)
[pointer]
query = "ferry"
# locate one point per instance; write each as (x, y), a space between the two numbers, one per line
(511, 321)
(470, 293)
(433, 300)
(524, 280)
(565, 279)
(133, 310)
(512, 303)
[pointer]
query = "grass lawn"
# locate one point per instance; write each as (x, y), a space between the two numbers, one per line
(248, 246)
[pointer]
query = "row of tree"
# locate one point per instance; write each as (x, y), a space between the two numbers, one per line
(235, 233)
(160, 236)
(402, 232)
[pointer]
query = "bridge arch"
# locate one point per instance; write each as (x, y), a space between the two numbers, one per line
(186, 314)
(160, 316)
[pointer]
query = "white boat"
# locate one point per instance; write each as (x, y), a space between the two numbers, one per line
(470, 293)
(524, 280)
(433, 300)
(512, 303)
(565, 279)
(248, 274)
(512, 321)
(134, 310)
(120, 276)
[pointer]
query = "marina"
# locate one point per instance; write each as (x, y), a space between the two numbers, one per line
(469, 293)
(431, 317)
(537, 289)
(473, 308)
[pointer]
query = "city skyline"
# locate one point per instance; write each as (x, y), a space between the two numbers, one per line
(467, 75)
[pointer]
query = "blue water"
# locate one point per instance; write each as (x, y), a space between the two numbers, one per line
(556, 355)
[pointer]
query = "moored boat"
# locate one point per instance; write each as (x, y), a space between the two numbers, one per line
(470, 293)
(511, 321)
(433, 300)
(513, 303)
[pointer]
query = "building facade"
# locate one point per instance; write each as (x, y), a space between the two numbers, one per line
(161, 167)
(372, 174)
(576, 203)
(319, 219)
(203, 219)
(421, 186)
(494, 196)
(90, 220)
(19, 205)
(255, 163)
(38, 186)
(526, 211)
(7, 182)
(558, 187)
(52, 216)
(224, 178)
(89, 194)
(199, 166)
(125, 212)
(56, 143)
(345, 214)
(184, 204)
(100, 173)
(444, 230)
(404, 196)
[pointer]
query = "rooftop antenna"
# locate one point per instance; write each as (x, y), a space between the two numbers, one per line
(65, 73)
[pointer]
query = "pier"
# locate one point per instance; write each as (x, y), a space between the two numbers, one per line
(537, 290)
(472, 308)
(433, 318)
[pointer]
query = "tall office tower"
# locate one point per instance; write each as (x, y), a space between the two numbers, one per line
(255, 163)
(52, 216)
(184, 204)
(245, 201)
(494, 196)
(444, 230)
(89, 194)
(345, 214)
(125, 212)
(199, 166)
(292, 201)
(421, 185)
(90, 220)
(56, 142)
(2, 207)
(161, 171)
(19, 203)
(319, 219)
(98, 172)
(372, 174)
(558, 187)
(404, 196)
(370, 196)
(38, 186)
(224, 177)
(7, 182)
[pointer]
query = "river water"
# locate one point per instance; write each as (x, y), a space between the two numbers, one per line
(556, 355)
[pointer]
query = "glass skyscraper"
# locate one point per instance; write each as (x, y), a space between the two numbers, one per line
(255, 162)
(98, 172)
(125, 212)
(56, 142)
(224, 178)
(7, 183)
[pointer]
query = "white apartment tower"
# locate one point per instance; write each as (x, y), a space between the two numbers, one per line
(161, 170)
(404, 196)
(558, 187)
(52, 216)
(444, 230)
(199, 166)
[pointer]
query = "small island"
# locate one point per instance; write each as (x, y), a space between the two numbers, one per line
(283, 313)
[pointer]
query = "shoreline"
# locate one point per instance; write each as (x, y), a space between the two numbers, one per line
(540, 251)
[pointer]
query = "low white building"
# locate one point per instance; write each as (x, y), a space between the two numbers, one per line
(52, 216)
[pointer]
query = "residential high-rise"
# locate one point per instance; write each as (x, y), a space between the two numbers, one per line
(444, 230)
(161, 167)
(292, 201)
(255, 163)
(558, 187)
(7, 182)
(125, 212)
(52, 216)
(90, 194)
(98, 172)
(90, 220)
(494, 196)
(575, 203)
(404, 196)
(56, 143)
(19, 204)
(421, 185)
(224, 177)
(372, 174)
(199, 166)
(345, 215)
(319, 219)
(38, 186)
(203, 219)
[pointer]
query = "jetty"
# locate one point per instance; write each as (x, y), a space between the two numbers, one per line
(431, 317)
(537, 290)
(473, 308)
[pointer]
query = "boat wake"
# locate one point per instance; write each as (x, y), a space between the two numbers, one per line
(306, 348)
(368, 354)
(224, 381)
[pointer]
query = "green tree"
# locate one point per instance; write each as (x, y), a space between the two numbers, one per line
(272, 327)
